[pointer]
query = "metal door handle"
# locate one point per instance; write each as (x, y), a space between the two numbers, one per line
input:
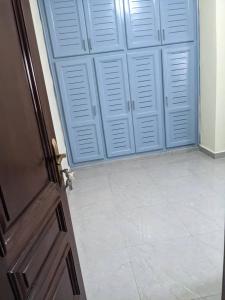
(128, 106)
(159, 37)
(89, 44)
(164, 34)
(84, 45)
(166, 100)
(94, 110)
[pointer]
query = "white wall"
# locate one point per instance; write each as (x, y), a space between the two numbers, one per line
(208, 72)
(48, 78)
(212, 64)
(220, 103)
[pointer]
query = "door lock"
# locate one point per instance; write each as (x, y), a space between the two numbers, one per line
(58, 159)
(68, 174)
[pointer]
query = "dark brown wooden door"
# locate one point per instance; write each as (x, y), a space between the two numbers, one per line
(38, 257)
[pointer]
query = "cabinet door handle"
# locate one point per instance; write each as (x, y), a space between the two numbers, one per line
(159, 37)
(94, 110)
(164, 34)
(89, 44)
(133, 105)
(166, 100)
(128, 106)
(84, 45)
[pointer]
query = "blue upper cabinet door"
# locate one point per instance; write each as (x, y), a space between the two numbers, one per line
(104, 25)
(67, 27)
(81, 109)
(115, 104)
(180, 95)
(147, 101)
(177, 19)
(142, 23)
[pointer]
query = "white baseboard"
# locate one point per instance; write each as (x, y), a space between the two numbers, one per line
(211, 153)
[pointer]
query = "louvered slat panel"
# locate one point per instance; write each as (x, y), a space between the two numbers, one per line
(146, 86)
(180, 125)
(142, 23)
(177, 20)
(180, 95)
(115, 104)
(67, 27)
(104, 25)
(81, 111)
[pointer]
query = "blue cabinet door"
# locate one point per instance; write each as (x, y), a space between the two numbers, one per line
(180, 94)
(115, 104)
(142, 23)
(66, 25)
(147, 101)
(81, 109)
(104, 25)
(177, 20)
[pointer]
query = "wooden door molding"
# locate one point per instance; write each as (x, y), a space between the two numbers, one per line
(30, 61)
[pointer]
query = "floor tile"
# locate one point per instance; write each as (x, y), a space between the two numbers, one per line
(149, 224)
(181, 266)
(214, 297)
(110, 277)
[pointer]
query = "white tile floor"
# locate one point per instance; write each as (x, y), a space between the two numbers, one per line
(151, 228)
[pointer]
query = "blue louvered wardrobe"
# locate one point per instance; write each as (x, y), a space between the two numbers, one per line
(125, 74)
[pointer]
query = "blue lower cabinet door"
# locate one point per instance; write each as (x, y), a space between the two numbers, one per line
(147, 101)
(180, 95)
(115, 104)
(66, 26)
(177, 20)
(142, 23)
(81, 109)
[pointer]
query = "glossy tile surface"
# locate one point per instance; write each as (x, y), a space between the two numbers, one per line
(151, 228)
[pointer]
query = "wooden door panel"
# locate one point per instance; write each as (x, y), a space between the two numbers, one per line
(15, 115)
(64, 285)
(60, 271)
(31, 222)
(28, 267)
(60, 290)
